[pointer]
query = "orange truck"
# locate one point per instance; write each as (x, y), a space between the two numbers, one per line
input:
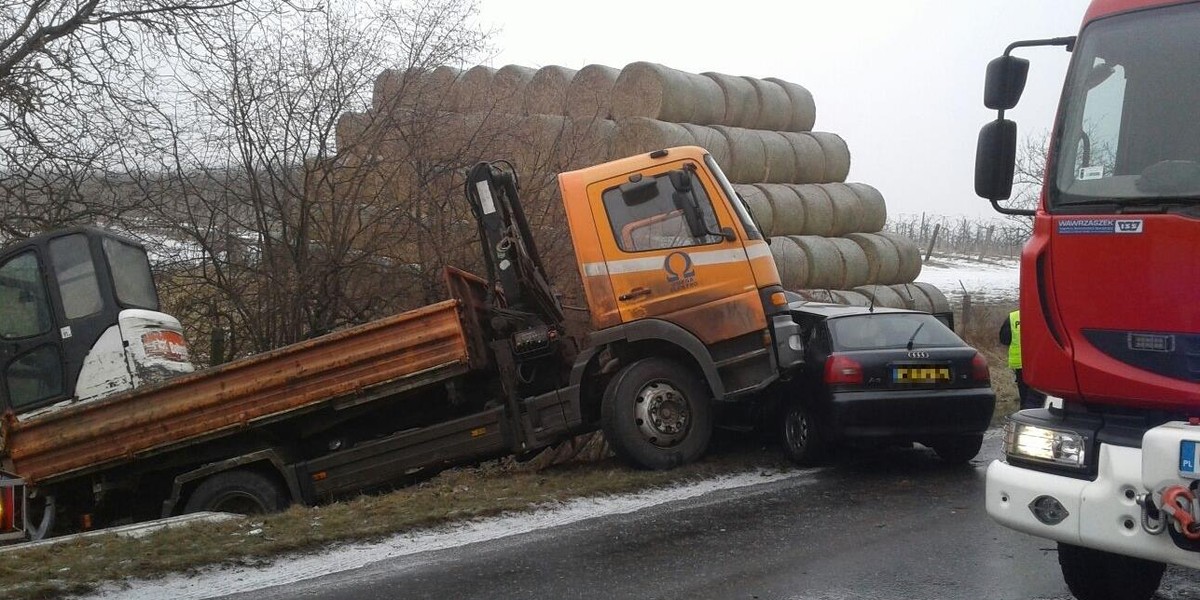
(106, 423)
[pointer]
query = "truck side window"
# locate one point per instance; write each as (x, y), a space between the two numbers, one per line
(654, 222)
(131, 275)
(33, 377)
(76, 276)
(24, 309)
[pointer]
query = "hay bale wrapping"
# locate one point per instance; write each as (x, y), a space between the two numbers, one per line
(781, 158)
(636, 135)
(883, 262)
(710, 139)
(747, 155)
(826, 269)
(910, 256)
(837, 156)
(809, 156)
(786, 210)
(854, 263)
(874, 209)
(589, 95)
(759, 206)
(847, 209)
(791, 262)
(508, 88)
(474, 93)
(817, 208)
(774, 106)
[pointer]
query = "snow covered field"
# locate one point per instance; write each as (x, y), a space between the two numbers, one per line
(992, 280)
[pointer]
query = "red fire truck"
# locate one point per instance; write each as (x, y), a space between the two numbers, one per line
(1110, 301)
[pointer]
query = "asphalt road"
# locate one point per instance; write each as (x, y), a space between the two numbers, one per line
(894, 524)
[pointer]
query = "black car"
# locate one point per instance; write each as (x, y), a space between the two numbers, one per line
(885, 375)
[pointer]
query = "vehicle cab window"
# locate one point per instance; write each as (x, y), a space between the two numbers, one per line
(24, 306)
(76, 276)
(132, 279)
(651, 218)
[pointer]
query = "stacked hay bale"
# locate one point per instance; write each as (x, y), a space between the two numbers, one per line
(826, 234)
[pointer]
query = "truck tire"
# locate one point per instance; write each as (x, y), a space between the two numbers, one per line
(238, 491)
(801, 435)
(657, 414)
(1098, 575)
(959, 449)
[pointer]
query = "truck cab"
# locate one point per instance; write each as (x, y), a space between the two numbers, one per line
(79, 321)
(669, 251)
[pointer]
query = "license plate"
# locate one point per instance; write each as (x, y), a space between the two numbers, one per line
(920, 374)
(1189, 456)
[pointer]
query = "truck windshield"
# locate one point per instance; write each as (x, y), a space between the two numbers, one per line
(739, 207)
(1129, 133)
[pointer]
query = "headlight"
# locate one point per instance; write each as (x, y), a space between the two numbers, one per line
(1052, 446)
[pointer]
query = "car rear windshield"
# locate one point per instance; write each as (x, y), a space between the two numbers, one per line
(895, 330)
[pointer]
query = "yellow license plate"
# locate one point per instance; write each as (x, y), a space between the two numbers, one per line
(920, 374)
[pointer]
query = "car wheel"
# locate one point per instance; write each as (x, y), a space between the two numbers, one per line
(960, 449)
(657, 414)
(801, 435)
(1098, 575)
(239, 491)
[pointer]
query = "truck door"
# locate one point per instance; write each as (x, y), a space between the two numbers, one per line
(31, 362)
(659, 268)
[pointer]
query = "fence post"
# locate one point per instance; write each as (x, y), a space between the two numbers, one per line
(932, 240)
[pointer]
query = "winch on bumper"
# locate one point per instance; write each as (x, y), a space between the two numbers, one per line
(1073, 478)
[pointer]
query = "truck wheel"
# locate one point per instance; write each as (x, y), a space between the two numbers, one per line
(238, 491)
(657, 414)
(802, 438)
(1098, 575)
(958, 449)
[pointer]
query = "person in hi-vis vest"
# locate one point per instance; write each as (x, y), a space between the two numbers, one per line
(1010, 335)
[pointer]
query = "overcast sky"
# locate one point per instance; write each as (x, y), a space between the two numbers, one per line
(900, 80)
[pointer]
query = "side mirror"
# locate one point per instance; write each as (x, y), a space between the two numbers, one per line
(996, 159)
(1005, 81)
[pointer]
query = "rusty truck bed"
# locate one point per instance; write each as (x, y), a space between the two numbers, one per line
(413, 348)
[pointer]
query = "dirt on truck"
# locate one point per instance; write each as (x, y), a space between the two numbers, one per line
(106, 423)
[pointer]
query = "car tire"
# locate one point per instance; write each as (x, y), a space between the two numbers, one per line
(958, 450)
(657, 414)
(801, 434)
(1098, 575)
(240, 491)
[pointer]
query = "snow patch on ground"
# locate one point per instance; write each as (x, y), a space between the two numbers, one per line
(991, 280)
(287, 570)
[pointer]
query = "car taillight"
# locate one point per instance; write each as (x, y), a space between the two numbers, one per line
(842, 370)
(8, 508)
(979, 369)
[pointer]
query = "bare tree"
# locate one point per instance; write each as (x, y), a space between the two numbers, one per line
(75, 80)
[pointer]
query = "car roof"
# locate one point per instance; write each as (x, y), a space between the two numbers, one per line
(827, 310)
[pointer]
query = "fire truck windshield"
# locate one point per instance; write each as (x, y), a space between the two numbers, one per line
(1129, 133)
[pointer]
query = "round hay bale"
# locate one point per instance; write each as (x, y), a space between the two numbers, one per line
(388, 90)
(546, 92)
(710, 139)
(804, 109)
(654, 91)
(536, 140)
(914, 298)
(786, 210)
(590, 92)
(874, 210)
(775, 108)
(441, 89)
(910, 257)
(881, 295)
(759, 205)
(588, 141)
(819, 295)
(710, 105)
(808, 155)
(741, 100)
(791, 262)
(475, 90)
(883, 263)
(826, 269)
(847, 209)
(508, 88)
(747, 155)
(855, 262)
(837, 156)
(851, 298)
(781, 160)
(937, 300)
(351, 129)
(817, 208)
(636, 135)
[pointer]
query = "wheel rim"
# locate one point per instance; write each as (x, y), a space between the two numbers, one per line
(237, 502)
(662, 414)
(797, 429)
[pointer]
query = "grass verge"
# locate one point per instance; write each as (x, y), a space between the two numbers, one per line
(82, 566)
